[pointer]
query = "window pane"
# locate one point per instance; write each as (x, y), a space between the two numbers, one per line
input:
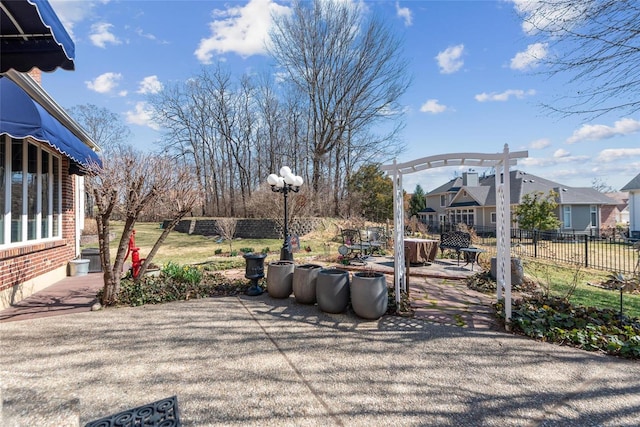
(16, 190)
(567, 216)
(3, 197)
(44, 195)
(56, 197)
(32, 191)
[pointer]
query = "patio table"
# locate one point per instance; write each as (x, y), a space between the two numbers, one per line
(421, 251)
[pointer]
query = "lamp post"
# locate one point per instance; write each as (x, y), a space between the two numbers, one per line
(284, 184)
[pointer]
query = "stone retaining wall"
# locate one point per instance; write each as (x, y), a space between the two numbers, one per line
(248, 228)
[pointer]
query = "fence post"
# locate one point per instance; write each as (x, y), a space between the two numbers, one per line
(586, 251)
(535, 243)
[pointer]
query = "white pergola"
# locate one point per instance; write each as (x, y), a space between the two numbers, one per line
(501, 162)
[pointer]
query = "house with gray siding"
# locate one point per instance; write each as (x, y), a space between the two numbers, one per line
(633, 187)
(471, 199)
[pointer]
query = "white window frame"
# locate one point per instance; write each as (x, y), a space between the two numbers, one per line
(23, 216)
(494, 217)
(593, 213)
(443, 200)
(566, 216)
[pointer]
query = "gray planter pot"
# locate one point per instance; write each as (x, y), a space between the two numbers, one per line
(78, 267)
(517, 271)
(280, 279)
(332, 290)
(369, 295)
(304, 283)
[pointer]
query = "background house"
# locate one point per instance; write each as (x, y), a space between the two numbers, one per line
(633, 187)
(470, 199)
(43, 153)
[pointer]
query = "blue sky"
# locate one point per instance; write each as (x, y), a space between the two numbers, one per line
(476, 85)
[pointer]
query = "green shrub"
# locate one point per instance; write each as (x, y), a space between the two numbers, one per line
(246, 250)
(265, 250)
(183, 274)
(233, 253)
(217, 251)
(157, 290)
(554, 319)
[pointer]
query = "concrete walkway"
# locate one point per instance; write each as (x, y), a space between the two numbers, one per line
(438, 294)
(259, 361)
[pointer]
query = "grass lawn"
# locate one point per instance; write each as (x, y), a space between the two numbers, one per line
(559, 278)
(182, 248)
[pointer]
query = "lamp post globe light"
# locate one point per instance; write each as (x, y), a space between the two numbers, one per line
(284, 184)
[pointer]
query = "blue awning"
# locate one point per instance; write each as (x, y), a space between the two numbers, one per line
(22, 117)
(31, 35)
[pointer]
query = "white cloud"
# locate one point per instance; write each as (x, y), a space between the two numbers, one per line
(560, 153)
(104, 83)
(597, 132)
(611, 154)
(242, 29)
(504, 96)
(539, 144)
(141, 33)
(150, 85)
(142, 116)
(559, 158)
(551, 16)
(405, 14)
(72, 12)
(432, 106)
(101, 35)
(449, 60)
(530, 57)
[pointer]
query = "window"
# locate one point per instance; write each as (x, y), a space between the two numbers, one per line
(566, 216)
(594, 215)
(30, 192)
(493, 218)
(443, 200)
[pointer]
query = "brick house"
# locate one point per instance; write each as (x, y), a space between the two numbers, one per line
(42, 154)
(42, 151)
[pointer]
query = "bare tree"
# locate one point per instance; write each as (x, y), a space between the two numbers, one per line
(596, 45)
(601, 186)
(125, 184)
(227, 229)
(105, 127)
(349, 67)
(178, 199)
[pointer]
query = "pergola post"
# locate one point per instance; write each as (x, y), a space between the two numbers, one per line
(503, 234)
(398, 234)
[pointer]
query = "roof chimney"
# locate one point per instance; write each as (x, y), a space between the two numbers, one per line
(36, 75)
(470, 179)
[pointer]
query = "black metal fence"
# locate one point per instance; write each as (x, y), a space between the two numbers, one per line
(614, 254)
(610, 254)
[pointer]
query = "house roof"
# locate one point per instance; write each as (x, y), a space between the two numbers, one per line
(634, 184)
(522, 183)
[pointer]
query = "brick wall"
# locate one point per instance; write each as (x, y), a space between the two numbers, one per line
(248, 228)
(23, 263)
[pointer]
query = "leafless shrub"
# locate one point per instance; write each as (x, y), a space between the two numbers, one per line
(227, 229)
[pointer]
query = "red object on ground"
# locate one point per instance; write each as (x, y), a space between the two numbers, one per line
(136, 262)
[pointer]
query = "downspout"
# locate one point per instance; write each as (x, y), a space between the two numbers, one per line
(79, 211)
